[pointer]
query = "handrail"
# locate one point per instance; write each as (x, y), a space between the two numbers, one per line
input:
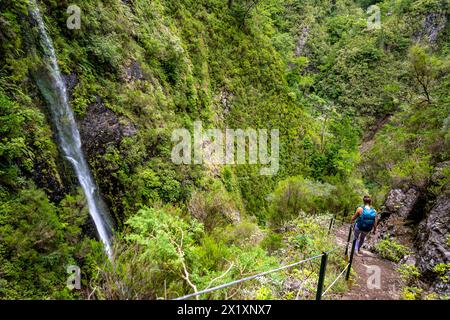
(247, 278)
(228, 284)
(337, 278)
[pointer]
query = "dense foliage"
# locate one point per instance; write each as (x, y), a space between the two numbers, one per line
(358, 111)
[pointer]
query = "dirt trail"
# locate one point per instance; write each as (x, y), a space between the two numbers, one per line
(365, 267)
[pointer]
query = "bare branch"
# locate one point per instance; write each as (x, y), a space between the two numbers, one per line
(221, 276)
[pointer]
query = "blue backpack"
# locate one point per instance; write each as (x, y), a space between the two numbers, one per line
(366, 220)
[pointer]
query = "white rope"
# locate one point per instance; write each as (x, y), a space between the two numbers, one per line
(329, 287)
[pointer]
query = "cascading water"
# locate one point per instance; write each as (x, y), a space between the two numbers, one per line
(54, 90)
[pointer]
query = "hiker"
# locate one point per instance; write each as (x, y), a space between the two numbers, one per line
(366, 221)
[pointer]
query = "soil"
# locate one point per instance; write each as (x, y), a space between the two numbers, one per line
(363, 284)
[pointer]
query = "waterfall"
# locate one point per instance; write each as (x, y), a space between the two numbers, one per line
(54, 91)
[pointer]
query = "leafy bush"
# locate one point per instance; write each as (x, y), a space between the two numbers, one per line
(37, 243)
(301, 242)
(151, 259)
(214, 208)
(411, 293)
(297, 194)
(391, 250)
(408, 273)
(272, 242)
(164, 254)
(415, 169)
(243, 234)
(443, 271)
(163, 235)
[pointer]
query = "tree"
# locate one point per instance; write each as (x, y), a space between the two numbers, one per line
(242, 8)
(424, 70)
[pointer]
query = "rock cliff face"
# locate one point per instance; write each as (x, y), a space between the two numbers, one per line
(433, 25)
(433, 233)
(396, 217)
(101, 128)
(421, 221)
(432, 242)
(401, 203)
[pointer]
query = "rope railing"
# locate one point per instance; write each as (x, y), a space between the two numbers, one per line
(248, 278)
(319, 293)
(335, 280)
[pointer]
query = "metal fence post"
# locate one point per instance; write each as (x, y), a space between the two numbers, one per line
(351, 260)
(331, 225)
(348, 239)
(323, 267)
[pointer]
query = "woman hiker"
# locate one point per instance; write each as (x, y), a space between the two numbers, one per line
(366, 221)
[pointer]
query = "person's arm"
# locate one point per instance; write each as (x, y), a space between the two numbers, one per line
(357, 214)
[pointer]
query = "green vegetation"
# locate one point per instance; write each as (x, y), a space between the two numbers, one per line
(38, 241)
(409, 273)
(391, 249)
(442, 270)
(411, 293)
(358, 111)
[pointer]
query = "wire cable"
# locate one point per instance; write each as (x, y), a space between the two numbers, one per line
(247, 278)
(263, 274)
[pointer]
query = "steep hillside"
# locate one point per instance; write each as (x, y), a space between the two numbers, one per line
(359, 109)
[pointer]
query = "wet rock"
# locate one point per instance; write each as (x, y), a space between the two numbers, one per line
(398, 208)
(101, 128)
(409, 259)
(432, 241)
(132, 72)
(401, 203)
(438, 173)
(48, 179)
(70, 81)
(301, 42)
(433, 25)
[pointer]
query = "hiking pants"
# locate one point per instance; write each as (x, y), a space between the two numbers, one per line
(360, 236)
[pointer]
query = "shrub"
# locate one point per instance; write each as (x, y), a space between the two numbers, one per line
(297, 194)
(130, 277)
(163, 235)
(442, 270)
(301, 241)
(264, 293)
(391, 250)
(415, 169)
(106, 50)
(166, 254)
(431, 296)
(272, 242)
(411, 293)
(243, 234)
(408, 273)
(34, 246)
(151, 258)
(213, 209)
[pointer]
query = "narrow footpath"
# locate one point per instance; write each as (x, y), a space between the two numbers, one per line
(365, 286)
